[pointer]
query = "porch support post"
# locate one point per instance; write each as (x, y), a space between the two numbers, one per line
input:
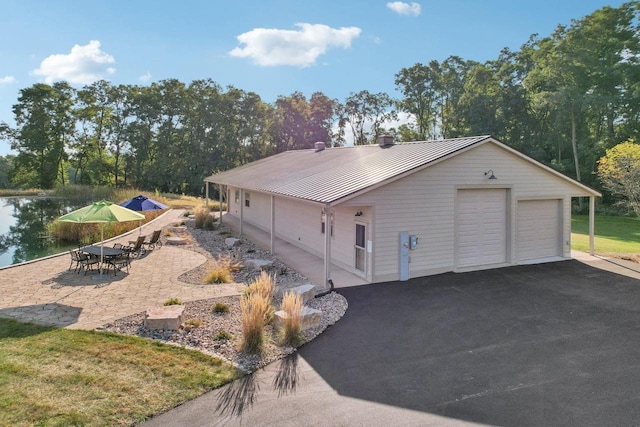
(592, 222)
(206, 193)
(328, 223)
(220, 202)
(241, 209)
(273, 224)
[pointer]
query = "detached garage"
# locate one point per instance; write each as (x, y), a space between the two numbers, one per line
(396, 211)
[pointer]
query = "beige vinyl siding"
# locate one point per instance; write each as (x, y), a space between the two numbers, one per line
(423, 203)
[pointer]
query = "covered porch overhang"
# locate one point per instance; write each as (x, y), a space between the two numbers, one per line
(305, 263)
(287, 252)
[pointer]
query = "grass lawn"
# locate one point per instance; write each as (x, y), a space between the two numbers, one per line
(62, 377)
(613, 234)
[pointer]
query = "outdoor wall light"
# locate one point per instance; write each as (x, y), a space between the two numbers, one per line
(358, 213)
(492, 176)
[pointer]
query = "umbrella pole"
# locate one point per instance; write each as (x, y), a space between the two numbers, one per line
(101, 247)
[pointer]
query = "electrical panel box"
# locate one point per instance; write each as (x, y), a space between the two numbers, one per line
(413, 241)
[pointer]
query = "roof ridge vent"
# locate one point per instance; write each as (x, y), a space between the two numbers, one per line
(319, 146)
(385, 140)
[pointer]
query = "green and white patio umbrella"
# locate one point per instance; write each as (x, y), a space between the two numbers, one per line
(101, 212)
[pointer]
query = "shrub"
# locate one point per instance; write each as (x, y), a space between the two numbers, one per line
(219, 274)
(220, 308)
(254, 309)
(173, 301)
(291, 332)
(204, 219)
(223, 336)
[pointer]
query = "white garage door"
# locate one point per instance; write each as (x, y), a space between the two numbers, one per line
(538, 229)
(481, 227)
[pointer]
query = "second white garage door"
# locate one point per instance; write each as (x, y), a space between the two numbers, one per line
(481, 227)
(538, 229)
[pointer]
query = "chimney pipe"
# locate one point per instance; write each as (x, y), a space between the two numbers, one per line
(319, 146)
(385, 140)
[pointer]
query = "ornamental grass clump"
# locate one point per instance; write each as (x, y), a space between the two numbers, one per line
(263, 285)
(204, 219)
(172, 301)
(219, 274)
(291, 331)
(220, 308)
(257, 311)
(254, 310)
(228, 261)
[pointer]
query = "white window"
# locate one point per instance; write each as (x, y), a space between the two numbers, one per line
(247, 200)
(237, 196)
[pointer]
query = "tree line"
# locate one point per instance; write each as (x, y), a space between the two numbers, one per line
(562, 99)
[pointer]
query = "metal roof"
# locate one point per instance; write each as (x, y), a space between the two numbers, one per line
(334, 173)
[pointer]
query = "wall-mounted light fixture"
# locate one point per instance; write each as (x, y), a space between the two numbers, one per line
(358, 213)
(491, 176)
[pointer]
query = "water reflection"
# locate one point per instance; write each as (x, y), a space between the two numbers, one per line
(23, 224)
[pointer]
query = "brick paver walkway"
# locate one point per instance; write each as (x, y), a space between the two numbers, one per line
(46, 292)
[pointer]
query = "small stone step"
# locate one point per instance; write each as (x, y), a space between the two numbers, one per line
(175, 240)
(178, 229)
(165, 317)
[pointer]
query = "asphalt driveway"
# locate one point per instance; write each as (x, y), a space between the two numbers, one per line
(549, 344)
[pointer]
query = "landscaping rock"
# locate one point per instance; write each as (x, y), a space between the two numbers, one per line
(310, 318)
(306, 292)
(232, 242)
(165, 317)
(175, 240)
(258, 264)
(178, 229)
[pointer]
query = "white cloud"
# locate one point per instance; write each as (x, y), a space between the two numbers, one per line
(7, 80)
(145, 77)
(301, 48)
(402, 8)
(83, 65)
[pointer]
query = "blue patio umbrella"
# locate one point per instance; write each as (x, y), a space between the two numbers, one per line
(143, 203)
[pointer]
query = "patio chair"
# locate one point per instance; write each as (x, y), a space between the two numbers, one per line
(153, 241)
(119, 262)
(88, 262)
(75, 259)
(135, 247)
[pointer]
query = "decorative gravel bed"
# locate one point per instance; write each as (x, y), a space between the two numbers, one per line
(209, 336)
(203, 338)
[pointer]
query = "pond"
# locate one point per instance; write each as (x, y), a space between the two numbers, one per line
(23, 228)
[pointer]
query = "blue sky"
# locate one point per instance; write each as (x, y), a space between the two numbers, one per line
(268, 47)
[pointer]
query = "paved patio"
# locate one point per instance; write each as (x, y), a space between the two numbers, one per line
(46, 292)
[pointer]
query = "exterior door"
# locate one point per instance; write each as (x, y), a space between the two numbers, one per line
(481, 227)
(539, 229)
(361, 247)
